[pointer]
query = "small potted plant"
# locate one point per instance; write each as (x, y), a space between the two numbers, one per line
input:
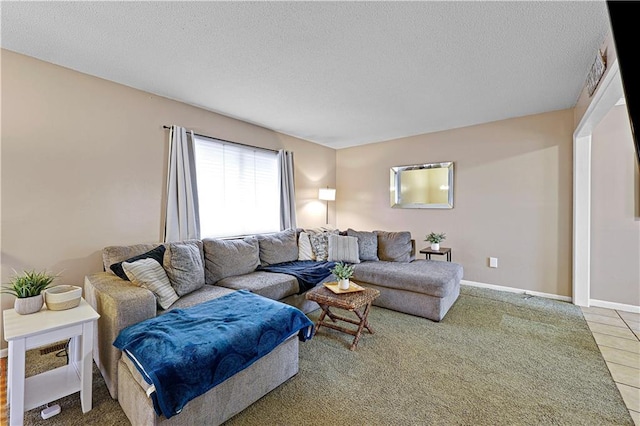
(435, 239)
(343, 271)
(27, 288)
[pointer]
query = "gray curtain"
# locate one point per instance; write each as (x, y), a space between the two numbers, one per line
(182, 220)
(287, 190)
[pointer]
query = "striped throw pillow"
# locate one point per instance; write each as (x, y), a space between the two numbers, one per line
(148, 273)
(343, 249)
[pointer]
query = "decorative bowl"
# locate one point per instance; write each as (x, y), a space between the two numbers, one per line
(62, 297)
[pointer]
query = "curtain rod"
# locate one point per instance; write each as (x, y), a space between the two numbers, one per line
(231, 142)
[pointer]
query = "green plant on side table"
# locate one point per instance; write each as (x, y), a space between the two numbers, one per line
(27, 288)
(435, 239)
(343, 271)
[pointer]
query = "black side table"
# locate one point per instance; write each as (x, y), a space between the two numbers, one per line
(443, 251)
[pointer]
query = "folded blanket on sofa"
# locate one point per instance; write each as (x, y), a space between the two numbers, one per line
(308, 272)
(186, 352)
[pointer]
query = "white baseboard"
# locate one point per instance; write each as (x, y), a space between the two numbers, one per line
(517, 290)
(614, 305)
(4, 353)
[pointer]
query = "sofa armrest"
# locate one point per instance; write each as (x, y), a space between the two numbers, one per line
(120, 304)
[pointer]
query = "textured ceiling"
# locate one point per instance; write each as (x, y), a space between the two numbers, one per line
(336, 73)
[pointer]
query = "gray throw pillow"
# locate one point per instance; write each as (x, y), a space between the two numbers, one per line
(228, 258)
(183, 263)
(394, 246)
(367, 244)
(278, 247)
(343, 248)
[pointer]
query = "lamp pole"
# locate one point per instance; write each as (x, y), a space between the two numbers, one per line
(327, 194)
(327, 209)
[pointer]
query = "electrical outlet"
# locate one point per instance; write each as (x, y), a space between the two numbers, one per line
(493, 262)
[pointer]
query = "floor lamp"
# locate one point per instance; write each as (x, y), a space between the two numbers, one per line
(327, 194)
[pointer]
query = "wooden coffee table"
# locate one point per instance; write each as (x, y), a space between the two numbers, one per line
(353, 302)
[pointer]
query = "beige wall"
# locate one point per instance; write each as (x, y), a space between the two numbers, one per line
(513, 197)
(83, 166)
(615, 225)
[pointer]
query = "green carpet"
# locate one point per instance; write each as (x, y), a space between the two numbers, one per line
(496, 359)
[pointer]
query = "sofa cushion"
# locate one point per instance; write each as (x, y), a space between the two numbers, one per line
(367, 244)
(278, 247)
(394, 246)
(431, 277)
(203, 294)
(268, 284)
(156, 254)
(226, 258)
(343, 249)
(150, 274)
(305, 252)
(115, 254)
(183, 263)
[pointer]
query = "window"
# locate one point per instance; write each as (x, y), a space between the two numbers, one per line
(238, 189)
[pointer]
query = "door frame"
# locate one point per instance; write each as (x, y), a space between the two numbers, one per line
(605, 98)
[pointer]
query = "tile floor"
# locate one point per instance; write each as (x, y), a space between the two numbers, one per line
(617, 334)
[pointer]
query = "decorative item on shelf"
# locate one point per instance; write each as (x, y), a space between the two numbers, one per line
(28, 288)
(343, 271)
(327, 194)
(62, 297)
(596, 72)
(435, 239)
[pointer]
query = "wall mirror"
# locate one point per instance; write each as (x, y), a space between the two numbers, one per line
(422, 186)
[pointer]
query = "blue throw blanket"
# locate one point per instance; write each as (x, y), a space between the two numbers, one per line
(186, 352)
(308, 272)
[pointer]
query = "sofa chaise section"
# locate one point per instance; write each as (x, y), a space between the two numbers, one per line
(122, 304)
(426, 288)
(218, 404)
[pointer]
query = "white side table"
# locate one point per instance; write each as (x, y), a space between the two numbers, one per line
(24, 332)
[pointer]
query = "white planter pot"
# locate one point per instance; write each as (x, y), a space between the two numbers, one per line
(343, 284)
(28, 305)
(435, 246)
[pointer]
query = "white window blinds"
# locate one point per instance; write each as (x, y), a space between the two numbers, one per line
(238, 189)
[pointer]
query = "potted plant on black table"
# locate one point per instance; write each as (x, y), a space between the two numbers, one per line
(435, 239)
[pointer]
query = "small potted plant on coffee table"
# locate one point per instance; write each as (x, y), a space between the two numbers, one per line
(27, 288)
(435, 239)
(343, 271)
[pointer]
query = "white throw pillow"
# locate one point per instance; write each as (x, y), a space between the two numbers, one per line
(343, 249)
(304, 247)
(148, 273)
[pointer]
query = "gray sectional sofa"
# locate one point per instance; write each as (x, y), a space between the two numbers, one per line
(215, 267)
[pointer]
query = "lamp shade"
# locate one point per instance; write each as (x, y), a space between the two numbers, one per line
(328, 194)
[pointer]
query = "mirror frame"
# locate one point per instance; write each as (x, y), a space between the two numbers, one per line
(396, 183)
